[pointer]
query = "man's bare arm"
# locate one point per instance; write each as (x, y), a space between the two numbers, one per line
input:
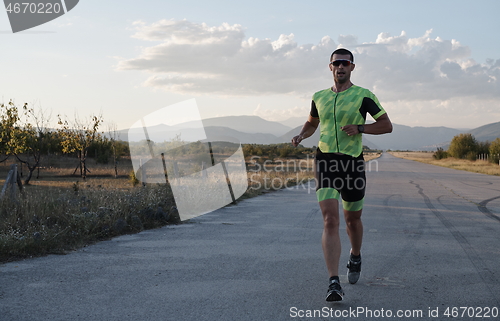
(307, 130)
(382, 125)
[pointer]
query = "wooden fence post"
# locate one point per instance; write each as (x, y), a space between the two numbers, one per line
(164, 166)
(13, 178)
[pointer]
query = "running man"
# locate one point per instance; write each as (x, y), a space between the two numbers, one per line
(339, 162)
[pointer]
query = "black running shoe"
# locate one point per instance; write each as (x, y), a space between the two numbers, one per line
(354, 269)
(334, 292)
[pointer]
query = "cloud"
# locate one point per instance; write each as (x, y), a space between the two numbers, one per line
(200, 59)
(402, 68)
(197, 58)
(347, 41)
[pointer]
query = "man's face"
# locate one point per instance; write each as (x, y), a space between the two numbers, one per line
(341, 73)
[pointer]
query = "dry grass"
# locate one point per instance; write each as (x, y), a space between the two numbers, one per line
(478, 166)
(48, 219)
(371, 156)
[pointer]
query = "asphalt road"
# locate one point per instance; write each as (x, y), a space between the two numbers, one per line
(431, 246)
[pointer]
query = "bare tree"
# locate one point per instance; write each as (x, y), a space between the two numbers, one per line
(78, 137)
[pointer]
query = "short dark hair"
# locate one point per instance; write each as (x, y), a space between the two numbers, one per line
(342, 51)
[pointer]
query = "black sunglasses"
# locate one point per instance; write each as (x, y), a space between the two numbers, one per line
(343, 62)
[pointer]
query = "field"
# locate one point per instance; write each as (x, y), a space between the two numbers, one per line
(478, 166)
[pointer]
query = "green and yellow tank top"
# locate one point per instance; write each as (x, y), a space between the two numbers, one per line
(336, 110)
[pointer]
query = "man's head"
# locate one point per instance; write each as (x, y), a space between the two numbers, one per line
(341, 64)
(342, 51)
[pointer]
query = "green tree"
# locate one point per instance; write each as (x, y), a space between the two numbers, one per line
(9, 117)
(495, 150)
(483, 148)
(463, 146)
(24, 135)
(101, 150)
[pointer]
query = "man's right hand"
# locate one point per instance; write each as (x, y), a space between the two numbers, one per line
(296, 140)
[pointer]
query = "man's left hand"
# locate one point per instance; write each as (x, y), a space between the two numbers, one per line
(350, 129)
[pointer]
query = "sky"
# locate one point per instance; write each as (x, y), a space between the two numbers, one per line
(430, 63)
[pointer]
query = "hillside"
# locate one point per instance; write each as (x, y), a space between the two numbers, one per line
(245, 124)
(487, 132)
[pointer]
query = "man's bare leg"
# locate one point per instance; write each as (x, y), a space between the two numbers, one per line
(354, 230)
(331, 247)
(331, 238)
(355, 233)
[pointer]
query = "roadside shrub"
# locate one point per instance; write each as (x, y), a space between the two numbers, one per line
(440, 154)
(471, 156)
(463, 146)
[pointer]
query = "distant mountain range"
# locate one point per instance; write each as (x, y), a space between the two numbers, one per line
(488, 132)
(255, 130)
(245, 124)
